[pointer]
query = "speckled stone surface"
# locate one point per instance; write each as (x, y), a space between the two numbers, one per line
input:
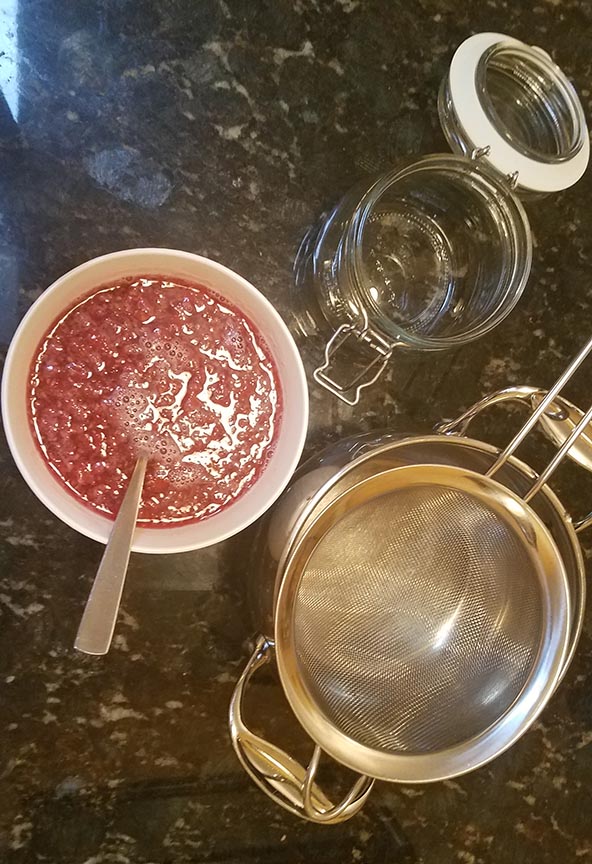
(225, 127)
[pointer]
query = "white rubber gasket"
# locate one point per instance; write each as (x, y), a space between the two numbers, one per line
(532, 174)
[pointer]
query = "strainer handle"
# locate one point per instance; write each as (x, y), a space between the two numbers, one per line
(283, 779)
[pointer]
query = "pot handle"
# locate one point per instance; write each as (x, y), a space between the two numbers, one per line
(283, 779)
(517, 394)
(510, 394)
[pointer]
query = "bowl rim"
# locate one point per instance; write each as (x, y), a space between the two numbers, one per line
(148, 540)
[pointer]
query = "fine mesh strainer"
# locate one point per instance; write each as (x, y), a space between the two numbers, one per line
(422, 623)
(478, 624)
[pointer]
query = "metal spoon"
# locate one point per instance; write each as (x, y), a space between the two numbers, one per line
(100, 614)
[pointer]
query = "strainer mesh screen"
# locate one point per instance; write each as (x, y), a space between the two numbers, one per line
(418, 619)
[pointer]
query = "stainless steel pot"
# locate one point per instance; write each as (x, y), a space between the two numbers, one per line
(316, 484)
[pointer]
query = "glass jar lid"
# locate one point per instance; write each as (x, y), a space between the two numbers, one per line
(512, 105)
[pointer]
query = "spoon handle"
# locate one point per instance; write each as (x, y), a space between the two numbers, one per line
(98, 620)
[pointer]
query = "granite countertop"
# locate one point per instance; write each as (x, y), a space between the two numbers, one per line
(225, 127)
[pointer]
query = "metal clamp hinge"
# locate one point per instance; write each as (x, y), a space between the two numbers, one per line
(479, 152)
(382, 348)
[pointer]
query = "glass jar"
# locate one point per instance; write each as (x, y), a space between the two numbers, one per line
(437, 252)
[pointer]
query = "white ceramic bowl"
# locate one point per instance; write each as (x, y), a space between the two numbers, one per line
(172, 263)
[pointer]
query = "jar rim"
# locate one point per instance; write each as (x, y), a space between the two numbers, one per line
(539, 64)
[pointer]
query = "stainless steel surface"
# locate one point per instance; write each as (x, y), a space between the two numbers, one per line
(541, 408)
(364, 578)
(523, 395)
(378, 646)
(558, 425)
(563, 423)
(557, 422)
(559, 456)
(287, 782)
(100, 614)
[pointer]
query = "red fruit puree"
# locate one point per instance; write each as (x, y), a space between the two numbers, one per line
(167, 368)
